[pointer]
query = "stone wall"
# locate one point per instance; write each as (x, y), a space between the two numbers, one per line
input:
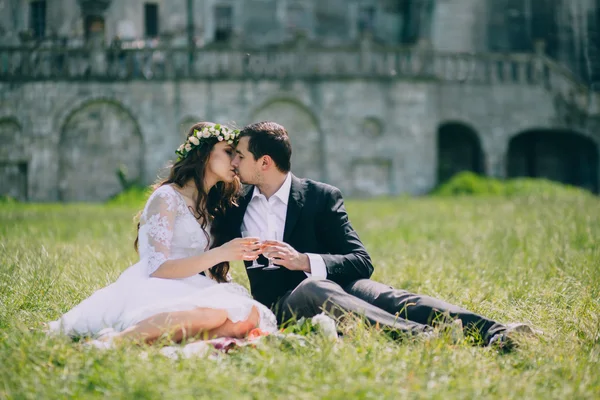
(368, 137)
(459, 26)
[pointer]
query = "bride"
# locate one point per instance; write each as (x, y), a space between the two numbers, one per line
(180, 287)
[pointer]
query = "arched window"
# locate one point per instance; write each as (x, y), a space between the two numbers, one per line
(515, 25)
(223, 23)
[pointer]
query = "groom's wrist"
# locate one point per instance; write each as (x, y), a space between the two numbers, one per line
(306, 263)
(318, 268)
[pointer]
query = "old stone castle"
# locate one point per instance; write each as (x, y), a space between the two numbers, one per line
(380, 97)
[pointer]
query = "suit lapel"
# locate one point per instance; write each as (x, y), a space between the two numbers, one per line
(295, 203)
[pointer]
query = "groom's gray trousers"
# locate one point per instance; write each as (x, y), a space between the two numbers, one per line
(378, 304)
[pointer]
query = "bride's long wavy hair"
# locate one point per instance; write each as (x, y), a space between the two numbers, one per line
(208, 205)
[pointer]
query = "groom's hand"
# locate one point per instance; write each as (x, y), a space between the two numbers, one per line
(285, 255)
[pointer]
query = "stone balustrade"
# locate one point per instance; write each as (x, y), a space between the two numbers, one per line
(22, 64)
(27, 64)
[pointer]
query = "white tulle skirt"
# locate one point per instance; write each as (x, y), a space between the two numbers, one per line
(135, 297)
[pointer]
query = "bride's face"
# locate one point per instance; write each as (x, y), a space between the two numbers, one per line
(219, 162)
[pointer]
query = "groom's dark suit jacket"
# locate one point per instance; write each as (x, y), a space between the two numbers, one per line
(316, 222)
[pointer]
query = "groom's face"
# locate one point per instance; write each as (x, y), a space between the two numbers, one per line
(248, 168)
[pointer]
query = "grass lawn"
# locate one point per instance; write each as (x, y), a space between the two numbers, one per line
(529, 259)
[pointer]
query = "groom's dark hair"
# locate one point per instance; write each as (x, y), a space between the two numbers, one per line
(269, 139)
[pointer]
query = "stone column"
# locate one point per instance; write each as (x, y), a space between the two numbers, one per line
(366, 46)
(93, 20)
(495, 153)
(540, 52)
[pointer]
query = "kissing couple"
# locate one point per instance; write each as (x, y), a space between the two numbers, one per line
(191, 229)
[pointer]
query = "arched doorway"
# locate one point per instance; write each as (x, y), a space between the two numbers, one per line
(13, 160)
(97, 141)
(559, 155)
(458, 150)
(302, 127)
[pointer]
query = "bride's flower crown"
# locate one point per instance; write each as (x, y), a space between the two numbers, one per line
(199, 137)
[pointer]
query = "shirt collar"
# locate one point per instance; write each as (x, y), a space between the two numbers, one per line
(282, 194)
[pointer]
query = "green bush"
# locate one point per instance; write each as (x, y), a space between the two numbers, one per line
(134, 196)
(471, 184)
(538, 186)
(133, 193)
(7, 200)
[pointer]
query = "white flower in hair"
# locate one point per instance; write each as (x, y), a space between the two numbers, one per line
(221, 133)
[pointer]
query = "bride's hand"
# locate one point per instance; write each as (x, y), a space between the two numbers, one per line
(244, 249)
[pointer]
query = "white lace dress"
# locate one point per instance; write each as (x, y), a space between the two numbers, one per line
(168, 231)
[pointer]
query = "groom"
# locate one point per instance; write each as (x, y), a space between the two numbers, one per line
(324, 265)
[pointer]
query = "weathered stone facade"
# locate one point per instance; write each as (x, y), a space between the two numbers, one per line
(366, 117)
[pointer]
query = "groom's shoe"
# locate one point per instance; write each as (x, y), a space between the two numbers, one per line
(508, 339)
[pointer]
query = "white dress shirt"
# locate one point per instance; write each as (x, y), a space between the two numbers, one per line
(264, 216)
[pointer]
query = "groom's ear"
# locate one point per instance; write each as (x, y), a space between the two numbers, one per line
(266, 162)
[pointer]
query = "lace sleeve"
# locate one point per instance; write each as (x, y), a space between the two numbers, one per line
(156, 228)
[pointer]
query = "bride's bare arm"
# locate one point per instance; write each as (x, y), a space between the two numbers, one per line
(236, 249)
(157, 227)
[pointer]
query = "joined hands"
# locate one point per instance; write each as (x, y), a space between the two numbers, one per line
(250, 248)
